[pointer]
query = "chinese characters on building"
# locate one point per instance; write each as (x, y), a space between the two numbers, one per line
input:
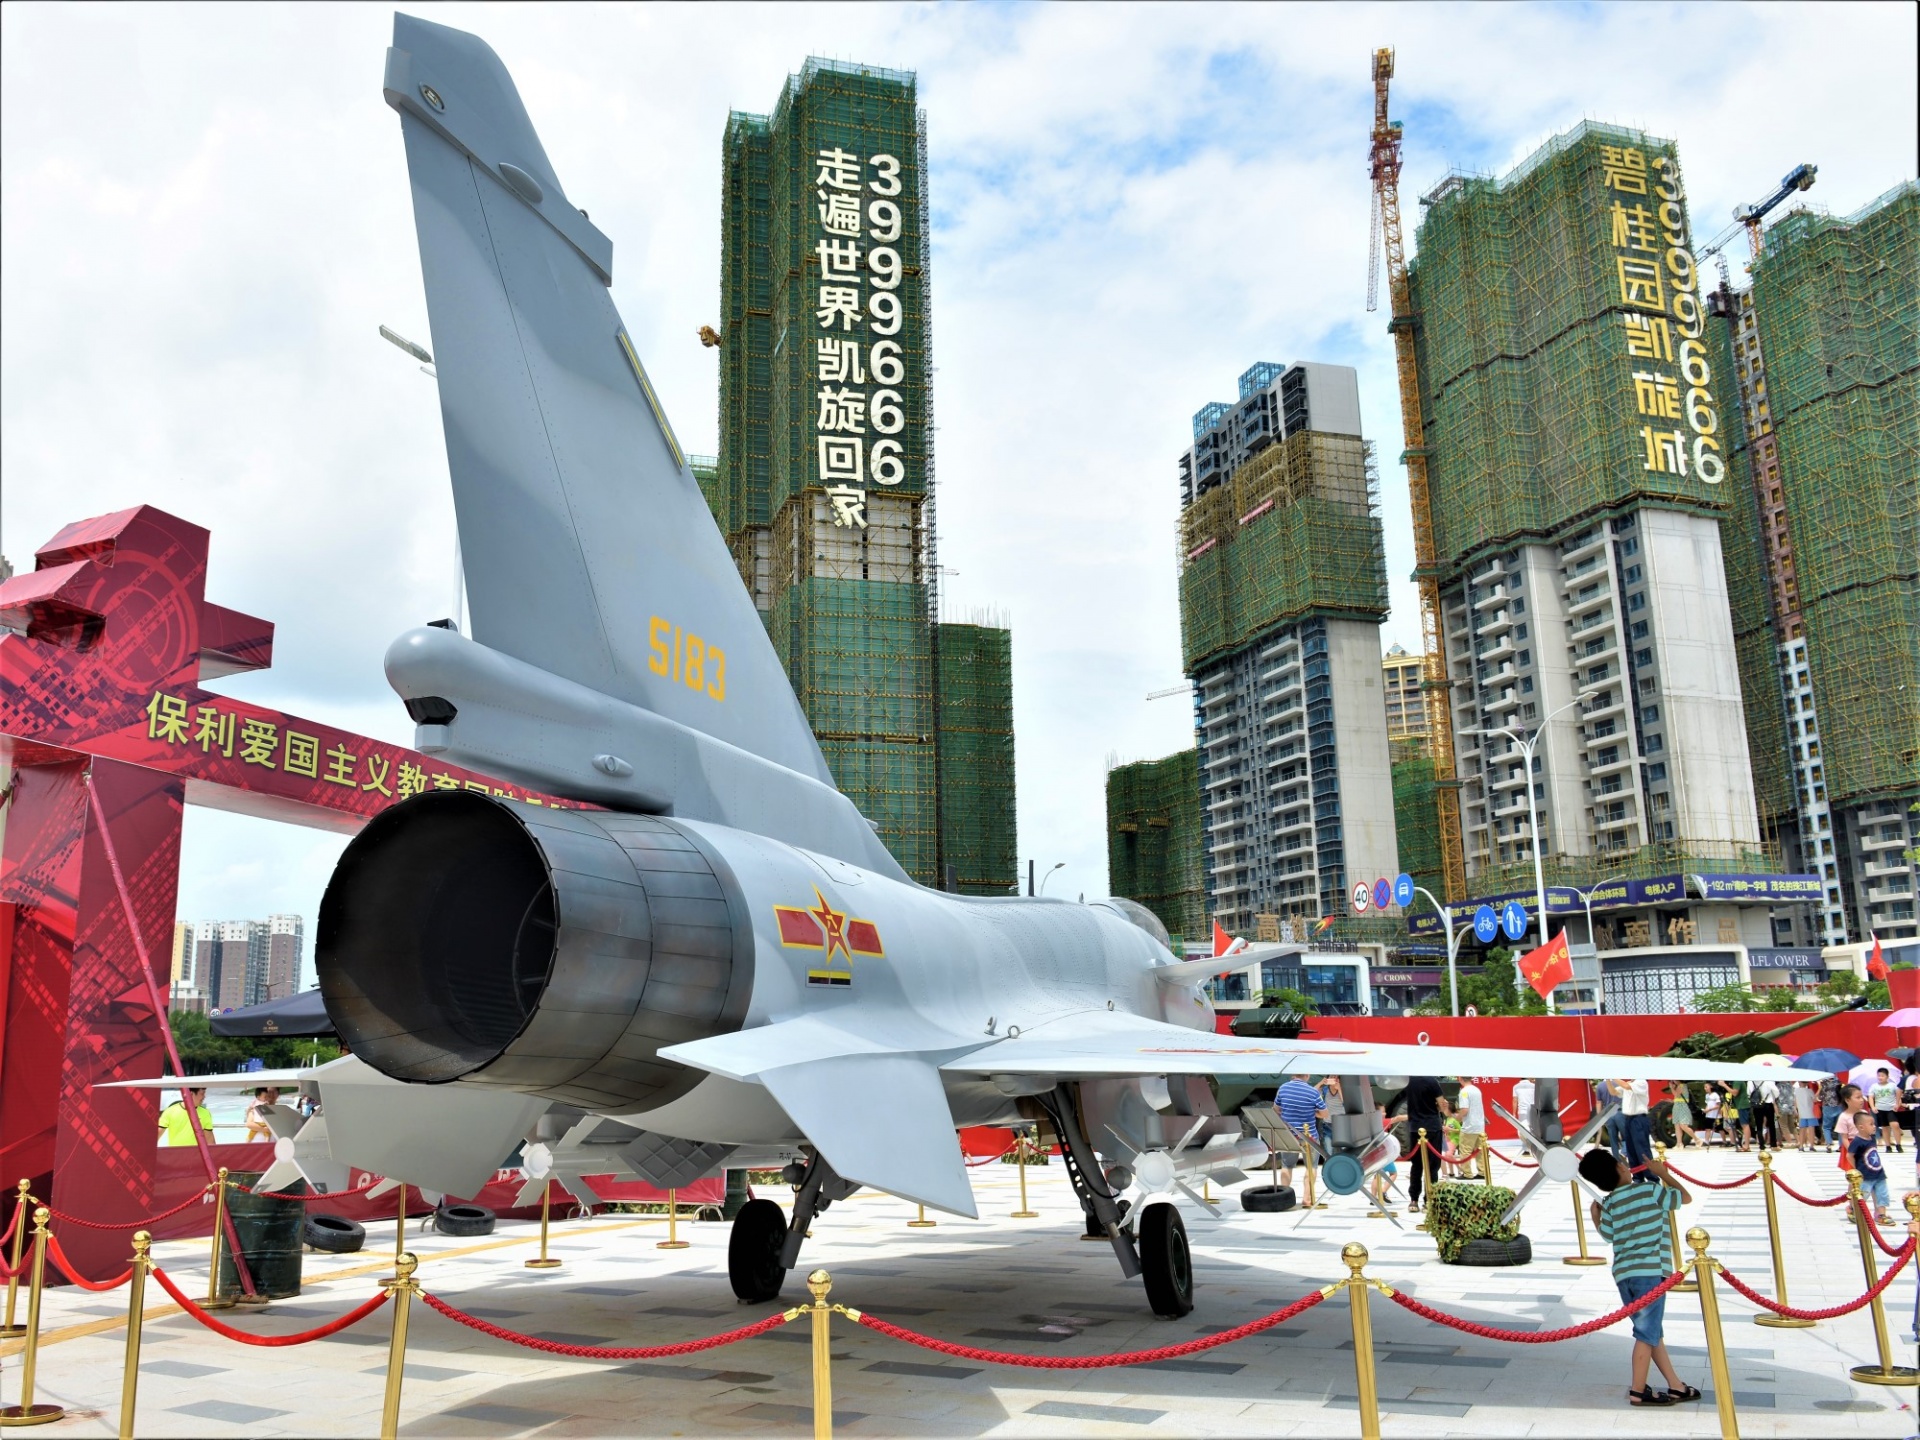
(1659, 287)
(859, 361)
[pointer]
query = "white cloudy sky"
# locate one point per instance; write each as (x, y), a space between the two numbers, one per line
(206, 216)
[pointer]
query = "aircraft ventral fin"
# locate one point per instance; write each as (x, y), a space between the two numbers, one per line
(1105, 1043)
(881, 1120)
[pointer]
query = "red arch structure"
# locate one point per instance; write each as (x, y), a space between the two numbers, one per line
(106, 734)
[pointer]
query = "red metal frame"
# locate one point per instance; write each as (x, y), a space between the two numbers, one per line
(107, 643)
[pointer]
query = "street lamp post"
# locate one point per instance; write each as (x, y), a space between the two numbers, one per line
(1527, 744)
(1453, 946)
(1049, 875)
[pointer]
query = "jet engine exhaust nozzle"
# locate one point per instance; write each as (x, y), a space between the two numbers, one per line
(464, 937)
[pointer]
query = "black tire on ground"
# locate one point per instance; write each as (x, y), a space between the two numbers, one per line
(335, 1234)
(1165, 1263)
(1268, 1199)
(753, 1252)
(463, 1220)
(1517, 1251)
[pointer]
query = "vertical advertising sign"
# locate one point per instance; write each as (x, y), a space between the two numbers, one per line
(1658, 286)
(860, 365)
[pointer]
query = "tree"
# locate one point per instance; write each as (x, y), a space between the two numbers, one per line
(1779, 998)
(1491, 990)
(1838, 988)
(1734, 998)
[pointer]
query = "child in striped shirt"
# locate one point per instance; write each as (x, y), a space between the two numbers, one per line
(1633, 1219)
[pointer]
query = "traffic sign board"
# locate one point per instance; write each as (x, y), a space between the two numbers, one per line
(1486, 924)
(1403, 890)
(1362, 897)
(1382, 894)
(1513, 919)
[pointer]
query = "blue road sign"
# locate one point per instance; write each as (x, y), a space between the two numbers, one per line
(1513, 919)
(1382, 894)
(1486, 924)
(1403, 890)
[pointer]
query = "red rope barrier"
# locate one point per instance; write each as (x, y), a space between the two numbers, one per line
(1092, 1362)
(312, 1199)
(189, 1203)
(1832, 1312)
(602, 1352)
(1804, 1200)
(988, 1159)
(1711, 1184)
(332, 1327)
(1879, 1239)
(1536, 1337)
(1517, 1164)
(59, 1258)
(6, 1236)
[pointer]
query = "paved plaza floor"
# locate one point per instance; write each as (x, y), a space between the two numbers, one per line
(1024, 1285)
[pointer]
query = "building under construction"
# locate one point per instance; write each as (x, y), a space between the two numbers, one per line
(1154, 842)
(1575, 455)
(1824, 553)
(1282, 591)
(824, 484)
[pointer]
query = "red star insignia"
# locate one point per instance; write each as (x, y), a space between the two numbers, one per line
(834, 922)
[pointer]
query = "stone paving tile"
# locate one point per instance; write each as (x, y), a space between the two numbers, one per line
(228, 1411)
(1110, 1414)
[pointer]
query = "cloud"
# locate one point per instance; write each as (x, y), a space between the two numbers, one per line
(1131, 204)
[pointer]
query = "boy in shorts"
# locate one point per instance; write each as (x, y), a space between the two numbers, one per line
(1866, 1160)
(1633, 1219)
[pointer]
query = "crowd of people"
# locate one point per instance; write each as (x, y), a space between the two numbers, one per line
(1742, 1114)
(267, 1119)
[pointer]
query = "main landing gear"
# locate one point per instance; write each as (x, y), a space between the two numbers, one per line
(1165, 1263)
(764, 1244)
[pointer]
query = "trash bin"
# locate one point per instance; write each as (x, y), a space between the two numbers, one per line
(271, 1235)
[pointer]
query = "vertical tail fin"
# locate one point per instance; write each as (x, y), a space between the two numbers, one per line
(588, 549)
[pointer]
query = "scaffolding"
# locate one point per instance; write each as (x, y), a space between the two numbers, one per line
(851, 608)
(1416, 812)
(1154, 841)
(1531, 420)
(1296, 531)
(975, 722)
(1838, 305)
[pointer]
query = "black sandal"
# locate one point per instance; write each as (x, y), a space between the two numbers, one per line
(1649, 1396)
(1682, 1395)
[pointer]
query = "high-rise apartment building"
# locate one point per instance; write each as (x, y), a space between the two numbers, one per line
(824, 483)
(286, 942)
(1400, 675)
(243, 962)
(1578, 472)
(1282, 591)
(1825, 567)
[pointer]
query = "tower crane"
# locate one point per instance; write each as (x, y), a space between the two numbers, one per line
(1384, 166)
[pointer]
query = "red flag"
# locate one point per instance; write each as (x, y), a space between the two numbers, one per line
(1548, 966)
(1222, 941)
(1876, 963)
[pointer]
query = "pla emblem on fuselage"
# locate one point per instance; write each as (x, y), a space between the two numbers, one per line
(831, 930)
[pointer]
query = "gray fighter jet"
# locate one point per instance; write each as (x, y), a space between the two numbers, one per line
(723, 967)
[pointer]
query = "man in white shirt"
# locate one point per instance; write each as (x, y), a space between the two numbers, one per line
(1523, 1102)
(1637, 1127)
(1472, 1111)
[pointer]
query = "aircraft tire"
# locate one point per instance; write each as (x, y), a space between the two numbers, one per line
(1517, 1251)
(1268, 1199)
(1166, 1265)
(334, 1234)
(753, 1252)
(463, 1220)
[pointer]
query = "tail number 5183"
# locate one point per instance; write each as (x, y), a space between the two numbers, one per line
(687, 658)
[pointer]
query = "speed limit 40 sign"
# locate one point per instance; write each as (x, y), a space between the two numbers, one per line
(1362, 897)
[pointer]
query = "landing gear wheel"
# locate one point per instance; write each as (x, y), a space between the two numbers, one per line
(1268, 1199)
(1165, 1264)
(753, 1252)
